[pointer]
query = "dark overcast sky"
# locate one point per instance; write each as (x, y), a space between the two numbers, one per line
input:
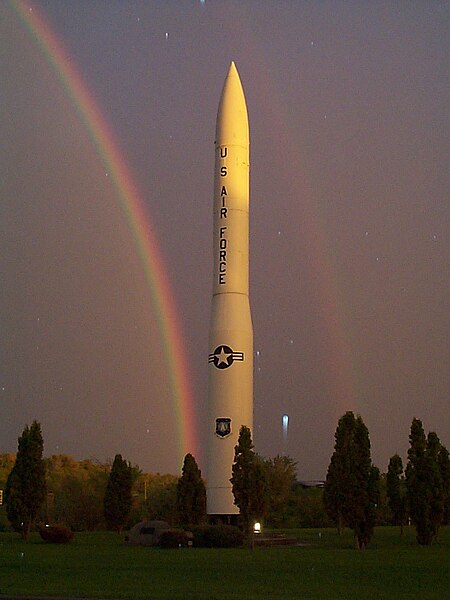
(348, 107)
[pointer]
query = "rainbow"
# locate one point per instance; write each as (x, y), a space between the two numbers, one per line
(343, 380)
(342, 377)
(131, 202)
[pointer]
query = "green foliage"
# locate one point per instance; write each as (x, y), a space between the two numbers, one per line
(191, 494)
(339, 471)
(76, 492)
(436, 489)
(173, 538)
(444, 469)
(161, 502)
(280, 474)
(26, 486)
(217, 536)
(118, 500)
(7, 461)
(351, 488)
(396, 491)
(309, 508)
(56, 534)
(248, 480)
(80, 503)
(383, 515)
(425, 485)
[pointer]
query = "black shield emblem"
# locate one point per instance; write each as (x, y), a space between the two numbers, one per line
(223, 427)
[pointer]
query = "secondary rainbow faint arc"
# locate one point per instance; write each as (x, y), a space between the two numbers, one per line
(130, 200)
(339, 361)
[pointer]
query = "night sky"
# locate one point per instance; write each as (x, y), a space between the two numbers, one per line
(349, 222)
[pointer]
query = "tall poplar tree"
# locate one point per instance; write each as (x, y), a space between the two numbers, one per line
(26, 486)
(424, 482)
(248, 481)
(351, 488)
(444, 468)
(118, 500)
(396, 491)
(339, 471)
(436, 492)
(191, 493)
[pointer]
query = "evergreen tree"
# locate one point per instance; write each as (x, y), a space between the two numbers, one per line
(424, 483)
(339, 470)
(396, 491)
(260, 490)
(118, 500)
(26, 486)
(248, 481)
(373, 490)
(351, 488)
(436, 492)
(416, 482)
(333, 493)
(444, 468)
(191, 493)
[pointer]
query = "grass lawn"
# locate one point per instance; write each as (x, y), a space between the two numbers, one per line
(100, 565)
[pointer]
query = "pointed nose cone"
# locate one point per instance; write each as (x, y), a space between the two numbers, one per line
(232, 118)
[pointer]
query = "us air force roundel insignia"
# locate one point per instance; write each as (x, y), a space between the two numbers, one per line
(223, 357)
(223, 427)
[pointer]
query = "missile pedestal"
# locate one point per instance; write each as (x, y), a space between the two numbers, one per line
(230, 391)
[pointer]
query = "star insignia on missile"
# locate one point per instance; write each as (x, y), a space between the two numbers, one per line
(223, 357)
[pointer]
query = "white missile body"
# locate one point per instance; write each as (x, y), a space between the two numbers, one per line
(231, 331)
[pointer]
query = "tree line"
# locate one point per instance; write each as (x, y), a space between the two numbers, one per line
(352, 491)
(419, 494)
(88, 495)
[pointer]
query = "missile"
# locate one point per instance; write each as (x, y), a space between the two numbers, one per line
(230, 392)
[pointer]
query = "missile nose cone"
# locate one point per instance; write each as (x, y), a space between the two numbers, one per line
(232, 118)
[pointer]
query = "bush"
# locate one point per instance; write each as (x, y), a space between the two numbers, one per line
(173, 538)
(217, 536)
(56, 534)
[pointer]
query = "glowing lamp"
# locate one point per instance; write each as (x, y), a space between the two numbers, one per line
(257, 528)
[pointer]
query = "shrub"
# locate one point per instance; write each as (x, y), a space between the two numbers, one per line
(218, 536)
(56, 534)
(173, 538)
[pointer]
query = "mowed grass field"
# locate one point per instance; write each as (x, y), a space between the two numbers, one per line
(100, 565)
